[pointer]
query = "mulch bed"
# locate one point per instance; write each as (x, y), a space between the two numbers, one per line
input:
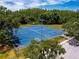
(3, 48)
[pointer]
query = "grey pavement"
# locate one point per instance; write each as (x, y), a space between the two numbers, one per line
(71, 51)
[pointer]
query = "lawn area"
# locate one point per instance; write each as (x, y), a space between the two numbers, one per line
(3, 56)
(59, 39)
(55, 26)
(8, 55)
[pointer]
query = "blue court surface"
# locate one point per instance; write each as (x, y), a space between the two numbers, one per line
(27, 34)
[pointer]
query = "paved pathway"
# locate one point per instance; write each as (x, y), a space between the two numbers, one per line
(71, 51)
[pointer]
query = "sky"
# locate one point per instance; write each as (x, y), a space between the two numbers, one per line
(45, 4)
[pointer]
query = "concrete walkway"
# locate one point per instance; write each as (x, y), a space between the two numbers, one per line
(71, 51)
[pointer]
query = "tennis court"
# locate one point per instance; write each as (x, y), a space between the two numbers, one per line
(37, 32)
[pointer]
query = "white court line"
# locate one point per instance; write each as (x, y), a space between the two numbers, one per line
(42, 34)
(39, 33)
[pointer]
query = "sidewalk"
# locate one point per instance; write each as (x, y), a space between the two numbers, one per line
(71, 51)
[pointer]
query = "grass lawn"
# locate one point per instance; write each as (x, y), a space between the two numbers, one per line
(3, 56)
(8, 55)
(55, 26)
(59, 39)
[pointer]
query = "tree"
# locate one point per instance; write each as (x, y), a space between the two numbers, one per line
(44, 18)
(48, 49)
(56, 18)
(31, 19)
(72, 27)
(7, 26)
(41, 16)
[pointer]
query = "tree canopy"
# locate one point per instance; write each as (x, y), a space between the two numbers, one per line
(7, 26)
(37, 16)
(48, 49)
(72, 27)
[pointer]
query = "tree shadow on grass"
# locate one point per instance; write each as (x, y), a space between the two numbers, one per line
(74, 42)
